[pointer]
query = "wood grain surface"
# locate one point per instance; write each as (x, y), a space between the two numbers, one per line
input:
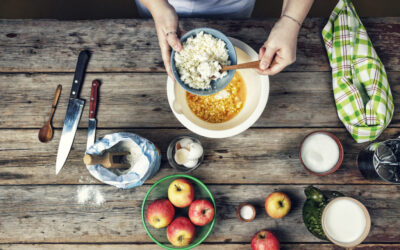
(51, 213)
(204, 246)
(39, 210)
(132, 46)
(296, 99)
(265, 156)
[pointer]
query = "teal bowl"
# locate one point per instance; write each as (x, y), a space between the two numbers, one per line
(160, 190)
(218, 84)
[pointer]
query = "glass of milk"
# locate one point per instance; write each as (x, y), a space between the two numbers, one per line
(321, 153)
(346, 222)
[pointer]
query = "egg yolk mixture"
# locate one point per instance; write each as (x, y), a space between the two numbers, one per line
(222, 106)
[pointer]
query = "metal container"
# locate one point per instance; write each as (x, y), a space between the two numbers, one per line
(381, 161)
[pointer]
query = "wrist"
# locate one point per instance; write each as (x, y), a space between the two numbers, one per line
(292, 18)
(289, 24)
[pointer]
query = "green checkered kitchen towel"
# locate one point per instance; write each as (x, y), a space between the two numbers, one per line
(362, 93)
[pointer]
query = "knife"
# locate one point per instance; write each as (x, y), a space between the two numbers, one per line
(94, 94)
(74, 111)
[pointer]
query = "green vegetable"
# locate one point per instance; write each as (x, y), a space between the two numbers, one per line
(314, 194)
(313, 208)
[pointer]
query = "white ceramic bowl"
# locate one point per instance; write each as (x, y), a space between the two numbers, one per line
(257, 88)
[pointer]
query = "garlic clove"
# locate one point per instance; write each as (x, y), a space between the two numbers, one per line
(181, 156)
(191, 163)
(195, 151)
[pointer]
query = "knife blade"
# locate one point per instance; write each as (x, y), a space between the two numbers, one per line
(74, 111)
(94, 94)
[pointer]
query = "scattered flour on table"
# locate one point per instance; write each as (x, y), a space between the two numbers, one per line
(86, 179)
(89, 194)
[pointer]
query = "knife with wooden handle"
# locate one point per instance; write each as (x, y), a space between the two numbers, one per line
(94, 95)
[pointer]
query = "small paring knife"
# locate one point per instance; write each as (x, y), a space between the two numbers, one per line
(94, 95)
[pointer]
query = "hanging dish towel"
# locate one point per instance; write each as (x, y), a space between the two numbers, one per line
(362, 93)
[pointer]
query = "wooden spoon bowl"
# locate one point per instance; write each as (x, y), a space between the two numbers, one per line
(46, 132)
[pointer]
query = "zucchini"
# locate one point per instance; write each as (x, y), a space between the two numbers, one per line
(313, 208)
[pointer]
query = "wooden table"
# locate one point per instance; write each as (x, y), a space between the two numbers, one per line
(40, 210)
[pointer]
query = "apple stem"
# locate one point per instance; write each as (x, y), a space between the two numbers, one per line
(281, 202)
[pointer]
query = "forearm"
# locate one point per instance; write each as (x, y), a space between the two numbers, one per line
(156, 7)
(297, 9)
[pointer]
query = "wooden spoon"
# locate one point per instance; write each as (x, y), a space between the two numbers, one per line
(107, 160)
(46, 132)
(248, 65)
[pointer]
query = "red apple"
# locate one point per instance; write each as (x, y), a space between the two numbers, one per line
(160, 213)
(181, 232)
(277, 205)
(201, 212)
(264, 240)
(180, 193)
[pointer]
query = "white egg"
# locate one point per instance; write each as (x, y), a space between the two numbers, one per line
(181, 156)
(195, 151)
(191, 163)
(185, 142)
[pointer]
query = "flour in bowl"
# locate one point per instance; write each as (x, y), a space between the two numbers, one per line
(200, 60)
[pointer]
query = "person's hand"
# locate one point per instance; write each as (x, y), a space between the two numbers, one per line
(279, 50)
(166, 22)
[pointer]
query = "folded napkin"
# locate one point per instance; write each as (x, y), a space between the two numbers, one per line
(362, 93)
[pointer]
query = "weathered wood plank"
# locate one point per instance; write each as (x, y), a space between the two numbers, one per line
(131, 45)
(297, 99)
(204, 246)
(265, 156)
(51, 213)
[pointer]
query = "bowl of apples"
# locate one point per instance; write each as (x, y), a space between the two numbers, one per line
(178, 212)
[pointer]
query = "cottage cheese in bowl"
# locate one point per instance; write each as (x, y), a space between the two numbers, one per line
(197, 66)
(200, 60)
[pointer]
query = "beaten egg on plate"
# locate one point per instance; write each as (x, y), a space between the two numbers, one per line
(222, 106)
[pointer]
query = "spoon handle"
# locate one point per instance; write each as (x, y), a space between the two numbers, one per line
(56, 96)
(247, 65)
(55, 101)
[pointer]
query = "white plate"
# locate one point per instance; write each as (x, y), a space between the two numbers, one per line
(257, 88)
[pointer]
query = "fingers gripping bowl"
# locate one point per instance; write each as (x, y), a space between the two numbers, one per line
(257, 91)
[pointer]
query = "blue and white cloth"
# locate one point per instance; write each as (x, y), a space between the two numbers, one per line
(131, 178)
(235, 9)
